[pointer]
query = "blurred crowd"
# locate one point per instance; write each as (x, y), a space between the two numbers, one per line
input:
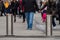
(27, 8)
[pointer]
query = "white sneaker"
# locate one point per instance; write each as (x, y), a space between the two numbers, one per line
(54, 27)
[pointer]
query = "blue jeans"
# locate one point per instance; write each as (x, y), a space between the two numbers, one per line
(29, 18)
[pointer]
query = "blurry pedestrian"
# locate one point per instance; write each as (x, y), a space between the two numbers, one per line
(6, 7)
(21, 10)
(58, 10)
(1, 7)
(29, 11)
(14, 6)
(51, 9)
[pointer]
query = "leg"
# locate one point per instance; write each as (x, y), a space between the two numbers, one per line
(14, 13)
(27, 19)
(59, 18)
(23, 14)
(14, 18)
(53, 21)
(1, 13)
(31, 20)
(20, 14)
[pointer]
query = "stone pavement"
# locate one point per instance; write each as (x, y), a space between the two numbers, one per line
(20, 29)
(29, 39)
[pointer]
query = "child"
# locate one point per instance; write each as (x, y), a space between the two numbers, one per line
(44, 16)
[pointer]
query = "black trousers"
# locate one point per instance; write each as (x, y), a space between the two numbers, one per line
(14, 12)
(0, 13)
(22, 14)
(53, 21)
(59, 16)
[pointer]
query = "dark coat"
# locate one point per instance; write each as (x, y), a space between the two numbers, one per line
(30, 5)
(14, 6)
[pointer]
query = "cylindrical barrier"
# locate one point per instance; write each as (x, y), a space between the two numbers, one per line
(11, 24)
(49, 25)
(6, 24)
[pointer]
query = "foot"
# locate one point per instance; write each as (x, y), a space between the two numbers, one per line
(1, 15)
(14, 20)
(54, 27)
(29, 29)
(59, 22)
(23, 21)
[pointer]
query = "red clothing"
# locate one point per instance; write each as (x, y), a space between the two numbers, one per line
(44, 17)
(21, 5)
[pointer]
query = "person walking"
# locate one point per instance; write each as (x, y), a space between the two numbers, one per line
(1, 7)
(58, 10)
(51, 9)
(6, 7)
(14, 6)
(29, 8)
(21, 10)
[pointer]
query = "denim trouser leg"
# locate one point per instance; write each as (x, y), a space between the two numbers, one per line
(29, 17)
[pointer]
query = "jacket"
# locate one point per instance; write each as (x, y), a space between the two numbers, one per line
(14, 5)
(21, 7)
(30, 5)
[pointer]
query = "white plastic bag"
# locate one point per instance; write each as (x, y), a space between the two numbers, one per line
(41, 27)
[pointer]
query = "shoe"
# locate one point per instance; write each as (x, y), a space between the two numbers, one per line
(54, 27)
(23, 21)
(14, 20)
(59, 23)
(29, 29)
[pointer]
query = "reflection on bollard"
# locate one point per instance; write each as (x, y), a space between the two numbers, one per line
(6, 24)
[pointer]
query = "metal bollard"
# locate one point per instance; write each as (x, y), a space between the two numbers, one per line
(6, 24)
(49, 25)
(11, 24)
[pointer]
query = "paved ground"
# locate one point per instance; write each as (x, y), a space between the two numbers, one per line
(20, 29)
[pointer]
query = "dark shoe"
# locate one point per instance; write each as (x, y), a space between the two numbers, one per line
(59, 22)
(1, 15)
(23, 21)
(54, 25)
(14, 20)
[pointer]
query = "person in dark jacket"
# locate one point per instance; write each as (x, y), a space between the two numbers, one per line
(21, 10)
(51, 9)
(1, 7)
(29, 11)
(58, 10)
(14, 6)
